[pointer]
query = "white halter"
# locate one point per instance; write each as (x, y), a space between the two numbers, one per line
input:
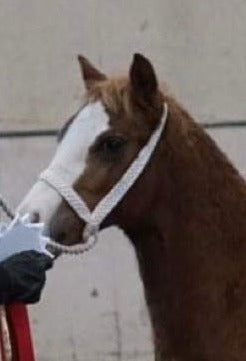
(94, 219)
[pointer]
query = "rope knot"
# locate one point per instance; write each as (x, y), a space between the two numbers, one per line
(91, 230)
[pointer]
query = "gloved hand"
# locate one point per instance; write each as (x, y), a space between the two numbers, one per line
(22, 277)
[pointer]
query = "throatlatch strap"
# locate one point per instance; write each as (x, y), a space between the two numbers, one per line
(19, 332)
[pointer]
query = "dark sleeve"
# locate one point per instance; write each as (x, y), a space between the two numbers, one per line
(22, 277)
(5, 284)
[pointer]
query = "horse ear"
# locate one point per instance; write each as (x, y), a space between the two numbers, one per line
(143, 79)
(89, 73)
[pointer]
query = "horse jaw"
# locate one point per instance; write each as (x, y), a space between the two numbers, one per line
(42, 202)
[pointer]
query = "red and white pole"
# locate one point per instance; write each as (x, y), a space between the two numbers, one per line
(15, 334)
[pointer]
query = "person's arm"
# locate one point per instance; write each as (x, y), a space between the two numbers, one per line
(5, 284)
(22, 277)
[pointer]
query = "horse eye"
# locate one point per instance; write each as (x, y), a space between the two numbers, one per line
(113, 144)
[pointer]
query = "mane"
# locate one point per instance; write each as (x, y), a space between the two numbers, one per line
(200, 147)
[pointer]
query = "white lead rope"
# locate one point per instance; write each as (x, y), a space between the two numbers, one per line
(94, 219)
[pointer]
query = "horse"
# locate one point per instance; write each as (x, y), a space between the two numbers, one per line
(185, 215)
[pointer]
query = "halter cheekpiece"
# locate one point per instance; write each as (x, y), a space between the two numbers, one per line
(53, 178)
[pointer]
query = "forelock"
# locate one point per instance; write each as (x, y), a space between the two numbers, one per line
(113, 94)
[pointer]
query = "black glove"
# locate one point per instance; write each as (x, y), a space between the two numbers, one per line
(22, 277)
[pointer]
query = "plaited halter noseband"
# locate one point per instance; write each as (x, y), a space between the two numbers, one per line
(53, 178)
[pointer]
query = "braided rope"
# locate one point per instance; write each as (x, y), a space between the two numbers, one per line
(66, 192)
(115, 195)
(53, 178)
(76, 249)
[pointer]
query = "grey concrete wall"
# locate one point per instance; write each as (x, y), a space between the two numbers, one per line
(198, 47)
(93, 308)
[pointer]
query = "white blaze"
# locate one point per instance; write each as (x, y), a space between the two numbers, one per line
(70, 159)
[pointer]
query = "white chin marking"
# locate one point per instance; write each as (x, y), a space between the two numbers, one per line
(70, 159)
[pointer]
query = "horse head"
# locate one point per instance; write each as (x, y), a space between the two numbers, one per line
(97, 145)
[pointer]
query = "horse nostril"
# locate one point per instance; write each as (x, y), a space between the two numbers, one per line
(35, 217)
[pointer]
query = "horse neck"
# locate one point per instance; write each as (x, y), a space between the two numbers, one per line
(197, 221)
